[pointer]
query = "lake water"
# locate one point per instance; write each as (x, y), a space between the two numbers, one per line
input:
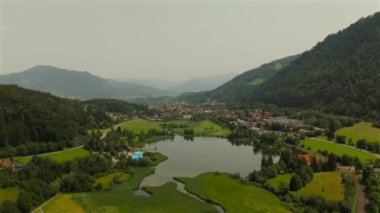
(203, 154)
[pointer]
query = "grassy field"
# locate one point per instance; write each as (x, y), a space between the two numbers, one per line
(205, 128)
(107, 181)
(59, 156)
(326, 184)
(275, 182)
(63, 203)
(337, 149)
(141, 125)
(232, 194)
(362, 130)
(10, 194)
(121, 198)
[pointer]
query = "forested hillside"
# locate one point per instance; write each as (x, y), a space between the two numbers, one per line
(239, 90)
(339, 75)
(28, 118)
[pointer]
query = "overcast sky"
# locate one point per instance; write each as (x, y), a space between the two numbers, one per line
(165, 39)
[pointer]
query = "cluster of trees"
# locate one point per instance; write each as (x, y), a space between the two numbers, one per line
(303, 176)
(371, 179)
(188, 131)
(119, 137)
(42, 178)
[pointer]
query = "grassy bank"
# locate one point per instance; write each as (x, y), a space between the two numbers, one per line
(59, 156)
(108, 180)
(121, 197)
(233, 194)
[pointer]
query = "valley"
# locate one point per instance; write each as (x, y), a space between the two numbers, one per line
(300, 133)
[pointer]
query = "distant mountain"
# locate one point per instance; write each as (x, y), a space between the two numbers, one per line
(156, 83)
(201, 84)
(339, 75)
(76, 84)
(240, 89)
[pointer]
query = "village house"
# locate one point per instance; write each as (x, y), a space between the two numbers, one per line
(5, 163)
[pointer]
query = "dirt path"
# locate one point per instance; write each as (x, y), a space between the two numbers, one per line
(362, 199)
(40, 208)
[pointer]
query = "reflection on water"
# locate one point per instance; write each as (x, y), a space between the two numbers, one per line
(203, 154)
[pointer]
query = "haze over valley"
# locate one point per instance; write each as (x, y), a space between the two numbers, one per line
(189, 106)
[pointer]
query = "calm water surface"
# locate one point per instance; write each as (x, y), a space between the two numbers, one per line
(203, 154)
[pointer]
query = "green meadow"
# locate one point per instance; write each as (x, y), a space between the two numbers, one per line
(59, 156)
(233, 194)
(337, 149)
(108, 180)
(63, 203)
(326, 184)
(204, 128)
(275, 182)
(141, 125)
(121, 198)
(10, 194)
(362, 130)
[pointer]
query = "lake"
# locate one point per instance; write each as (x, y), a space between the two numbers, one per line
(203, 154)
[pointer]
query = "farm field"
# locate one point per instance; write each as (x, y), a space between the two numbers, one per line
(362, 130)
(204, 128)
(10, 194)
(326, 184)
(275, 182)
(141, 125)
(63, 202)
(336, 149)
(59, 156)
(223, 189)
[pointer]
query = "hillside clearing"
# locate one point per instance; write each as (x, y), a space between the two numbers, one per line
(59, 156)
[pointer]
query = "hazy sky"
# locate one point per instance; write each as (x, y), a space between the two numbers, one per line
(165, 39)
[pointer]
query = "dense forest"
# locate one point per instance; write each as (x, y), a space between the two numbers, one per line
(239, 90)
(29, 116)
(339, 75)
